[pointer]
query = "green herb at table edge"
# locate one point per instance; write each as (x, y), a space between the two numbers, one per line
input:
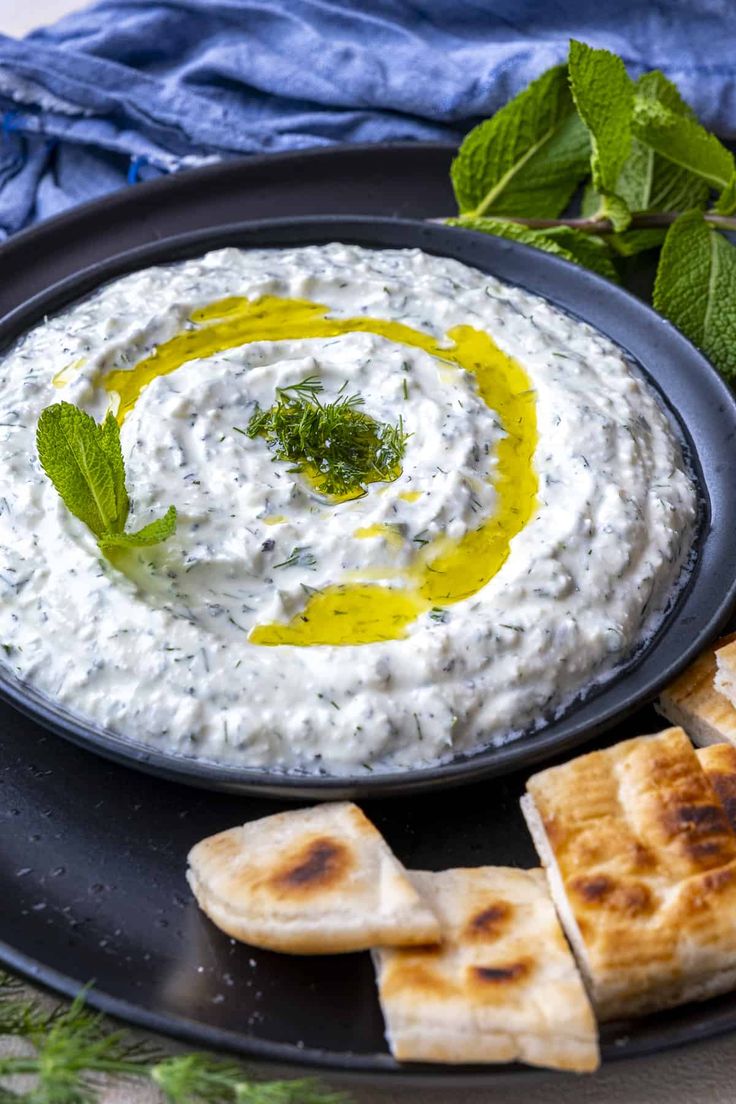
(651, 176)
(72, 1048)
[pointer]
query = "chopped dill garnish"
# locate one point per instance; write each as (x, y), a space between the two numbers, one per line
(337, 445)
(301, 556)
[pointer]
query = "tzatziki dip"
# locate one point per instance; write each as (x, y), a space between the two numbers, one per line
(502, 522)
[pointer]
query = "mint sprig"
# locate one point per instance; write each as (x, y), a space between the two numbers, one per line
(652, 177)
(604, 96)
(84, 461)
(563, 241)
(527, 159)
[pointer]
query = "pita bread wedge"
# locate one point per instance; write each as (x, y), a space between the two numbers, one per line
(725, 677)
(503, 985)
(311, 881)
(719, 763)
(693, 702)
(641, 861)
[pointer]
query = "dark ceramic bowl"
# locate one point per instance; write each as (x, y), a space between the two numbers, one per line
(702, 411)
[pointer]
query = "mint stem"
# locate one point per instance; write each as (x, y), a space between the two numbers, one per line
(639, 221)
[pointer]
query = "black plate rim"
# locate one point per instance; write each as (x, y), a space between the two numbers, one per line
(536, 266)
(200, 177)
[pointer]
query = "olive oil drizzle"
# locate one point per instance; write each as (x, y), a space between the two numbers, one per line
(443, 571)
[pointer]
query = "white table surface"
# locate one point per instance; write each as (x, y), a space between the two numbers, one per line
(705, 1074)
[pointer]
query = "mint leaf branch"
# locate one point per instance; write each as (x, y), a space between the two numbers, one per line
(84, 461)
(656, 179)
(604, 96)
(648, 181)
(600, 225)
(696, 288)
(528, 158)
(564, 241)
(682, 141)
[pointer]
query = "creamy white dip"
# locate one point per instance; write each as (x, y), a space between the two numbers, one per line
(159, 652)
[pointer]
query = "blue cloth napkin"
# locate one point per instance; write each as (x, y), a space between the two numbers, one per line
(129, 89)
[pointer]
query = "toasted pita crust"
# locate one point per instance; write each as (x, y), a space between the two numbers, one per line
(502, 987)
(311, 881)
(641, 860)
(693, 702)
(725, 676)
(719, 763)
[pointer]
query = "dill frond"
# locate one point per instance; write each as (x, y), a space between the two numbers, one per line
(336, 444)
(73, 1048)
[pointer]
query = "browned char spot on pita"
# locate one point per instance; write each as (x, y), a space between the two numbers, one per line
(628, 897)
(702, 831)
(498, 983)
(489, 923)
(725, 786)
(502, 975)
(322, 863)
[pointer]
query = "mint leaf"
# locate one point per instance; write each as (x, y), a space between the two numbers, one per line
(526, 160)
(696, 288)
(564, 241)
(681, 140)
(109, 433)
(647, 181)
(84, 461)
(631, 242)
(604, 96)
(153, 533)
(71, 454)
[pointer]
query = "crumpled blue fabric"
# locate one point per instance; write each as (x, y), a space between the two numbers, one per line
(129, 89)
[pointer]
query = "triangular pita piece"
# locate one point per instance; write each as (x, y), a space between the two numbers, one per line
(725, 678)
(719, 763)
(502, 987)
(312, 881)
(693, 702)
(641, 860)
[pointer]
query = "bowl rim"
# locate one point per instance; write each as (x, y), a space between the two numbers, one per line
(579, 292)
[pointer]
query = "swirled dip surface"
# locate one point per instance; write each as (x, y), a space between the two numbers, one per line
(532, 538)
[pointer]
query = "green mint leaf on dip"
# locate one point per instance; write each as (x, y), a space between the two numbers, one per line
(84, 462)
(153, 533)
(336, 445)
(109, 438)
(696, 288)
(564, 241)
(72, 455)
(604, 96)
(680, 140)
(529, 158)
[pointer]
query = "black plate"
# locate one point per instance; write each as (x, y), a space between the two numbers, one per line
(705, 417)
(92, 852)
